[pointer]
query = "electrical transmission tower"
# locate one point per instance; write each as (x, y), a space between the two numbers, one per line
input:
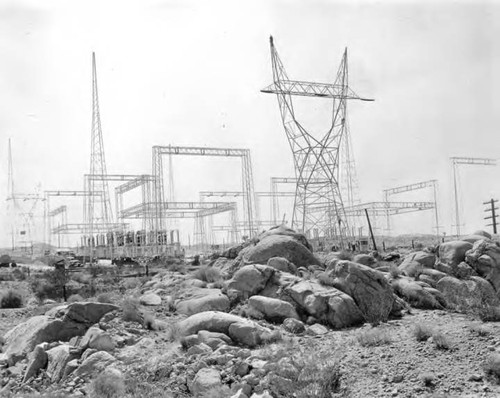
(97, 207)
(455, 161)
(318, 198)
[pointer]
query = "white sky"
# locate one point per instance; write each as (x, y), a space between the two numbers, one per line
(189, 73)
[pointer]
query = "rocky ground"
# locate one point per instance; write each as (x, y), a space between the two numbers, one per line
(270, 320)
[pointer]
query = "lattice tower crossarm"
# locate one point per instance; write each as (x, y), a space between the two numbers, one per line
(315, 158)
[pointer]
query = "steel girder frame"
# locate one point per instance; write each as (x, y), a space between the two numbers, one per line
(178, 209)
(316, 159)
(455, 161)
(234, 235)
(250, 211)
(413, 187)
(382, 208)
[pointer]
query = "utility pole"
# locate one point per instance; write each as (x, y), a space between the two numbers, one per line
(371, 231)
(493, 215)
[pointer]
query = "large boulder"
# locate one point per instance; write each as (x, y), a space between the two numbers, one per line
(418, 294)
(453, 253)
(213, 321)
(467, 294)
(285, 231)
(278, 246)
(325, 303)
(365, 259)
(95, 363)
(368, 287)
(59, 324)
(58, 357)
(282, 264)
(37, 360)
(473, 238)
(200, 300)
(484, 258)
(415, 262)
(273, 309)
(150, 299)
(251, 279)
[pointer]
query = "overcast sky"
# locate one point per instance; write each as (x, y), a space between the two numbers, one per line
(190, 72)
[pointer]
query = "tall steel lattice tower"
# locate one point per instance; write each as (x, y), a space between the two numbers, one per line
(98, 207)
(318, 206)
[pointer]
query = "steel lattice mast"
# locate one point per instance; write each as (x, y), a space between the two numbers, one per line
(316, 159)
(98, 207)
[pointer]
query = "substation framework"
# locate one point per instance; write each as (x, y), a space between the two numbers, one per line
(432, 184)
(159, 203)
(455, 162)
(318, 199)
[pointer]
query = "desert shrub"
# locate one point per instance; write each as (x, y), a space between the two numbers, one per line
(43, 289)
(11, 300)
(108, 385)
(105, 298)
(373, 337)
(491, 368)
(131, 310)
(6, 277)
(485, 312)
(427, 379)
(81, 277)
(271, 337)
(324, 279)
(441, 341)
(345, 255)
(208, 274)
(19, 274)
(149, 321)
(131, 283)
(422, 332)
(75, 298)
(480, 330)
(395, 272)
(302, 374)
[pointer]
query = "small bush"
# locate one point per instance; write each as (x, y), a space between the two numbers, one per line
(131, 283)
(491, 368)
(440, 341)
(395, 272)
(105, 298)
(373, 337)
(480, 330)
(271, 337)
(422, 332)
(108, 385)
(131, 310)
(19, 274)
(11, 300)
(208, 274)
(427, 379)
(149, 321)
(75, 298)
(81, 277)
(487, 313)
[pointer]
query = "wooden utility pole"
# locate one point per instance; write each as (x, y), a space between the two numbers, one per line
(371, 231)
(493, 215)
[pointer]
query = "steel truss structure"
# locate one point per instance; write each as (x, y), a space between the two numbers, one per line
(455, 162)
(316, 159)
(433, 184)
(159, 215)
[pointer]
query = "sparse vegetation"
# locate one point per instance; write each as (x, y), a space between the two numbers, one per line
(108, 385)
(480, 330)
(422, 332)
(491, 367)
(373, 337)
(428, 379)
(105, 298)
(131, 310)
(11, 300)
(441, 341)
(395, 272)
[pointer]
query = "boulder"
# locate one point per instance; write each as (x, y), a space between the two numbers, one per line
(453, 253)
(473, 238)
(201, 300)
(95, 363)
(22, 339)
(87, 313)
(274, 310)
(368, 287)
(317, 330)
(365, 259)
(419, 295)
(282, 230)
(250, 279)
(325, 303)
(37, 360)
(484, 258)
(482, 233)
(225, 265)
(233, 251)
(278, 246)
(204, 336)
(248, 334)
(467, 294)
(282, 264)
(205, 380)
(58, 357)
(294, 326)
(415, 262)
(213, 321)
(150, 299)
(433, 273)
